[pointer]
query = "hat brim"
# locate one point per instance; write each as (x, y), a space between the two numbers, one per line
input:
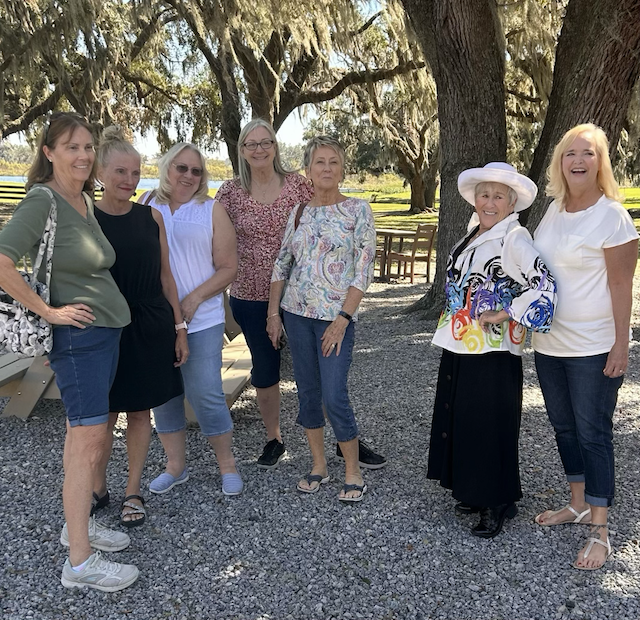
(522, 185)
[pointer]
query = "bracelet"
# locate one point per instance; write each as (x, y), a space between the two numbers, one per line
(343, 314)
(273, 315)
(182, 325)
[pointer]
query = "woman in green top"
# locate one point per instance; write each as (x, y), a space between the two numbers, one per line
(89, 313)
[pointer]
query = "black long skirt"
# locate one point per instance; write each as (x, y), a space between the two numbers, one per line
(476, 425)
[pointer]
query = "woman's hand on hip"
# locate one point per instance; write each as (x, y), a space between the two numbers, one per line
(617, 360)
(78, 315)
(492, 317)
(274, 330)
(188, 306)
(333, 336)
(182, 348)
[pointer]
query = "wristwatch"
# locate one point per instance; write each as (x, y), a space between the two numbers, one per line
(182, 325)
(345, 315)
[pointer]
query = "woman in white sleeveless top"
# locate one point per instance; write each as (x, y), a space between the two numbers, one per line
(202, 250)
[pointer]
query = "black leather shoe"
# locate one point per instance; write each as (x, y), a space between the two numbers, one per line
(491, 520)
(466, 509)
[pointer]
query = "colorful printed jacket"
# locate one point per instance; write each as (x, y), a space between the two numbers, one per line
(499, 270)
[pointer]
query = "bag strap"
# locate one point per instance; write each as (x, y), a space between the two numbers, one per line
(150, 196)
(301, 207)
(48, 238)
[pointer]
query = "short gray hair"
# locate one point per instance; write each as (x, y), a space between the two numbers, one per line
(319, 141)
(163, 195)
(244, 170)
(512, 195)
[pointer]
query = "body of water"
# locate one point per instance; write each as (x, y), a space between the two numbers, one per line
(144, 183)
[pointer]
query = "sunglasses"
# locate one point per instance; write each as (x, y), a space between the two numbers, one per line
(53, 117)
(183, 168)
(265, 144)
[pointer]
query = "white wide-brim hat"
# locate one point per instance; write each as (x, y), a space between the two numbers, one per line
(498, 172)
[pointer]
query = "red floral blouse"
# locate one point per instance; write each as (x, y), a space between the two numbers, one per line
(259, 229)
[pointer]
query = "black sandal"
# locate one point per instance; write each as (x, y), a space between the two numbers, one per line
(135, 510)
(97, 503)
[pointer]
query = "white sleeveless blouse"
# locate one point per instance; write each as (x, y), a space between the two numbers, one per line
(190, 238)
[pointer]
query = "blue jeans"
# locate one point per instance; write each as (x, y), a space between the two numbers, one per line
(252, 318)
(580, 402)
(202, 388)
(85, 363)
(321, 380)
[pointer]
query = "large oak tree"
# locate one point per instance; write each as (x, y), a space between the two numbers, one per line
(597, 64)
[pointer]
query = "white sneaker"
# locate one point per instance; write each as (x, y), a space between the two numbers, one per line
(100, 537)
(99, 574)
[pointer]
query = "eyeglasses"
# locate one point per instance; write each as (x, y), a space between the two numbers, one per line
(183, 168)
(265, 144)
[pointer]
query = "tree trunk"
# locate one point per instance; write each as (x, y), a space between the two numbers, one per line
(231, 120)
(462, 41)
(431, 179)
(418, 205)
(595, 71)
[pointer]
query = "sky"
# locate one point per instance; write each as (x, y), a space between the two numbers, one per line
(290, 133)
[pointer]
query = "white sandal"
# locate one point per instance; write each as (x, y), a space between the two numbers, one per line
(592, 541)
(579, 516)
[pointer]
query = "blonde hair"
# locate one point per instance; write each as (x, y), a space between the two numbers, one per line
(58, 126)
(244, 170)
(163, 194)
(512, 195)
(557, 186)
(113, 141)
(315, 143)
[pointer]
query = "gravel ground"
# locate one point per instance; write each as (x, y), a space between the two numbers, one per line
(274, 554)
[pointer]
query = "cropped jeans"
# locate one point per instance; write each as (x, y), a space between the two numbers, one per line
(580, 402)
(202, 388)
(321, 380)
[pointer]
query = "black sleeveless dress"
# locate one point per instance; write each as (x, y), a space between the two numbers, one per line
(146, 376)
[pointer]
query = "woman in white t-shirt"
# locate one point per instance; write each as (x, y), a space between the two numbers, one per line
(589, 242)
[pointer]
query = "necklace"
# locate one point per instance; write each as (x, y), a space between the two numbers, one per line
(260, 193)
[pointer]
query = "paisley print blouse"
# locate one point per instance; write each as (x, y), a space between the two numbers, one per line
(499, 270)
(332, 249)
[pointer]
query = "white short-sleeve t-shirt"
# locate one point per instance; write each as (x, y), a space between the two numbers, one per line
(572, 246)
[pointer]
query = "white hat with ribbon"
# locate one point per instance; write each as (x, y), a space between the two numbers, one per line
(498, 172)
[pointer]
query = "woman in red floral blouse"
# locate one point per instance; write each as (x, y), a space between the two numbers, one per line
(259, 202)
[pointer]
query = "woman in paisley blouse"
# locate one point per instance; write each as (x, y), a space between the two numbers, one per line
(259, 203)
(497, 286)
(326, 260)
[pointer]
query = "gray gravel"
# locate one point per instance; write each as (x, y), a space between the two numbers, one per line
(274, 554)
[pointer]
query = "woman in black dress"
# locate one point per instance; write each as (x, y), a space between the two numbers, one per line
(154, 344)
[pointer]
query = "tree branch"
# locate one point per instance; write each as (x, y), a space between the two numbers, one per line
(139, 79)
(23, 123)
(524, 97)
(357, 77)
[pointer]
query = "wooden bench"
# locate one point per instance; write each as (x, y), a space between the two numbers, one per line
(26, 381)
(10, 192)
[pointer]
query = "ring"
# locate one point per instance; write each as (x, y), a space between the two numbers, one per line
(333, 344)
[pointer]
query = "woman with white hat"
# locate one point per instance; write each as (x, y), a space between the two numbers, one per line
(497, 286)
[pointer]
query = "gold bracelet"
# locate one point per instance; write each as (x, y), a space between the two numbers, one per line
(272, 315)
